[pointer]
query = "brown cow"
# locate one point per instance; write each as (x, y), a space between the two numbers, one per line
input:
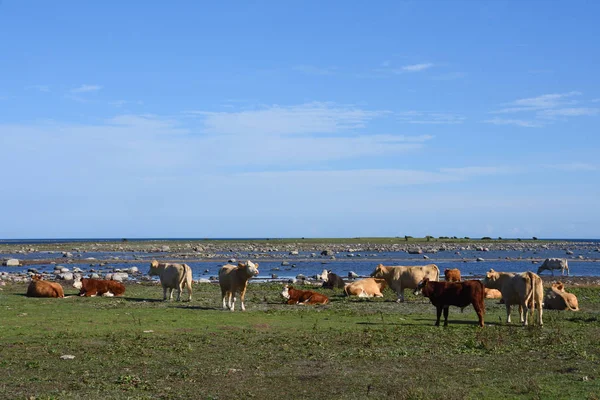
(234, 279)
(41, 288)
(445, 294)
(296, 296)
(99, 287)
(368, 287)
(452, 275)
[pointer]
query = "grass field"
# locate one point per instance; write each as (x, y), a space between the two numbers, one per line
(138, 347)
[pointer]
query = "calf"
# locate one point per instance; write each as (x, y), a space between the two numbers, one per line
(296, 296)
(99, 287)
(460, 294)
(40, 288)
(452, 275)
(234, 279)
(332, 281)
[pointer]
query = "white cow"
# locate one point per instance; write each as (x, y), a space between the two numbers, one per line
(399, 278)
(524, 289)
(173, 276)
(234, 279)
(555, 263)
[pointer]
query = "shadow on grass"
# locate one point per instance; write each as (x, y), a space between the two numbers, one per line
(198, 308)
(431, 322)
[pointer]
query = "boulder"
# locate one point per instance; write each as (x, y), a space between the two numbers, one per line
(11, 262)
(65, 276)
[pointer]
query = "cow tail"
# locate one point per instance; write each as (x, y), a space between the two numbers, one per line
(530, 293)
(346, 289)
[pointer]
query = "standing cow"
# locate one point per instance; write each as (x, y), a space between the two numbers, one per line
(173, 276)
(452, 275)
(234, 279)
(399, 278)
(555, 263)
(460, 294)
(524, 289)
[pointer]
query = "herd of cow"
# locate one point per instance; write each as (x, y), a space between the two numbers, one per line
(524, 290)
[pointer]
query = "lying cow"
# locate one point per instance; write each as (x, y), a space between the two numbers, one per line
(555, 263)
(296, 296)
(557, 299)
(524, 289)
(331, 280)
(172, 277)
(234, 279)
(492, 294)
(452, 275)
(399, 278)
(460, 294)
(40, 288)
(368, 287)
(99, 287)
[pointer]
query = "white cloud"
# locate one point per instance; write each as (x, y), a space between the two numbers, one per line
(313, 70)
(436, 118)
(41, 88)
(309, 118)
(416, 67)
(574, 167)
(570, 112)
(543, 102)
(516, 122)
(86, 88)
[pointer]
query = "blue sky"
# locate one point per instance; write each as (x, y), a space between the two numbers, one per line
(299, 118)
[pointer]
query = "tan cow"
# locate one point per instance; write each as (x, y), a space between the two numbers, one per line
(399, 278)
(452, 275)
(368, 287)
(492, 294)
(234, 279)
(173, 276)
(557, 299)
(524, 289)
(40, 288)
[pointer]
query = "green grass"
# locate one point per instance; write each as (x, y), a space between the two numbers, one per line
(349, 349)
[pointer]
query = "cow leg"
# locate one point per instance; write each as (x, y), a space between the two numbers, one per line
(446, 309)
(400, 294)
(164, 293)
(229, 295)
(233, 303)
(507, 312)
(480, 312)
(439, 314)
(242, 296)
(523, 311)
(224, 297)
(179, 289)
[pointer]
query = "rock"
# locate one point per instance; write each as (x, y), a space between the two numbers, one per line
(580, 257)
(480, 259)
(414, 251)
(95, 276)
(165, 249)
(33, 271)
(273, 276)
(120, 276)
(67, 357)
(425, 257)
(77, 269)
(203, 280)
(132, 270)
(64, 269)
(11, 262)
(327, 253)
(300, 277)
(232, 261)
(284, 263)
(67, 254)
(294, 253)
(65, 276)
(352, 275)
(569, 253)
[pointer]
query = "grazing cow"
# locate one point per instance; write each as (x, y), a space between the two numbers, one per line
(235, 279)
(492, 294)
(452, 275)
(173, 276)
(296, 296)
(99, 287)
(555, 263)
(40, 288)
(368, 287)
(399, 278)
(557, 299)
(445, 294)
(332, 281)
(524, 289)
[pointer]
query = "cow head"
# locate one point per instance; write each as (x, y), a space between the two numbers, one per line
(250, 267)
(324, 276)
(559, 286)
(285, 293)
(154, 270)
(77, 284)
(420, 286)
(36, 277)
(490, 276)
(378, 272)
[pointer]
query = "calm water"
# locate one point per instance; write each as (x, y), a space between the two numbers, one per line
(361, 263)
